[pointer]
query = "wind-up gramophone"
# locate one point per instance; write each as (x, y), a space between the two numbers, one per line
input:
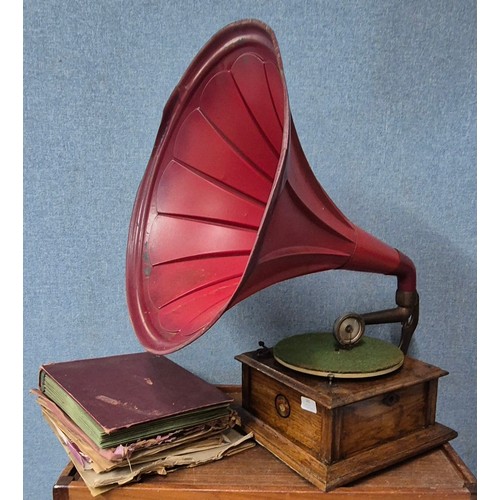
(228, 206)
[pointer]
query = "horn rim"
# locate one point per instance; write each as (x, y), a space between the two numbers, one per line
(219, 46)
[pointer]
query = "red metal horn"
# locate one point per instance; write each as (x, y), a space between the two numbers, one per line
(228, 204)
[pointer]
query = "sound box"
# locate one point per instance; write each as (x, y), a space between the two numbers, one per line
(228, 206)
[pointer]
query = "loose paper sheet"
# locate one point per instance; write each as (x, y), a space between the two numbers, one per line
(204, 451)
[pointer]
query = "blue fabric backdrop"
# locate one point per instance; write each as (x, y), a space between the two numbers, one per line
(383, 95)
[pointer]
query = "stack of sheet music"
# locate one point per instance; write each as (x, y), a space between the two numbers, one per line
(120, 417)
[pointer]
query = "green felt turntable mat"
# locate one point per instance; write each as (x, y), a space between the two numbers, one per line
(320, 354)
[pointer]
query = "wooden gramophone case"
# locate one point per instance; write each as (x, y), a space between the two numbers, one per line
(335, 431)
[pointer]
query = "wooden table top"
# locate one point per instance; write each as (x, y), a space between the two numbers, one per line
(257, 474)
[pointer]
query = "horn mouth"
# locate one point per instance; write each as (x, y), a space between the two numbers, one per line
(229, 205)
(217, 158)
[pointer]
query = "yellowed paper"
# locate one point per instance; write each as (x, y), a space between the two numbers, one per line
(192, 455)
